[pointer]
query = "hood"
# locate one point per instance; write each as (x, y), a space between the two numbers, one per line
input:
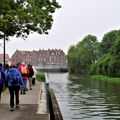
(12, 69)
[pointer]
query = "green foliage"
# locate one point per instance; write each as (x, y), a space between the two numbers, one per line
(22, 17)
(115, 49)
(89, 56)
(103, 62)
(82, 55)
(109, 62)
(106, 65)
(40, 77)
(71, 59)
(106, 78)
(114, 67)
(108, 41)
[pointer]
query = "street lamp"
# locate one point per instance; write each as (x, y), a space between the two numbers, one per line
(4, 51)
(2, 35)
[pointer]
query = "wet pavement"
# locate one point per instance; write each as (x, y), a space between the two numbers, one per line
(32, 105)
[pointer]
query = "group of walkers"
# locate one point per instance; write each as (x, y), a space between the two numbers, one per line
(15, 78)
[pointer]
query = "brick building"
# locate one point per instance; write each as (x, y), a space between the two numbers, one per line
(43, 58)
(7, 58)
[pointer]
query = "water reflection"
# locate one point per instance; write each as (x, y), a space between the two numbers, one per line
(82, 98)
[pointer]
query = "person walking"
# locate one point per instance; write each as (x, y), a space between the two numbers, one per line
(14, 80)
(6, 67)
(30, 75)
(24, 72)
(2, 80)
(34, 76)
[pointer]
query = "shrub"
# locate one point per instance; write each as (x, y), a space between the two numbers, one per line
(40, 77)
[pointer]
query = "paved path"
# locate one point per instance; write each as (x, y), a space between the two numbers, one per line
(32, 105)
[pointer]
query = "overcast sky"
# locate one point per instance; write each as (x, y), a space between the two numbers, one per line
(72, 22)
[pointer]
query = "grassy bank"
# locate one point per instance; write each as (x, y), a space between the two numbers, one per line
(40, 76)
(106, 78)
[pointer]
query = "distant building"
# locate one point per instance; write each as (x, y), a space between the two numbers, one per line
(42, 58)
(7, 58)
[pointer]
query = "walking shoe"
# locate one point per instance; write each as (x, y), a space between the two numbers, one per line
(26, 89)
(23, 92)
(17, 106)
(12, 109)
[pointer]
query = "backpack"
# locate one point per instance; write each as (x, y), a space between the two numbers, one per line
(13, 77)
(31, 72)
(24, 71)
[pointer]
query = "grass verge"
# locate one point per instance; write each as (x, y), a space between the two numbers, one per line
(106, 78)
(40, 77)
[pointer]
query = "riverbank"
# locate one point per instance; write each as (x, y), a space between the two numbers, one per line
(96, 77)
(106, 78)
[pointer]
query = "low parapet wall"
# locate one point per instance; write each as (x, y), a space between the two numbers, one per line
(53, 70)
(53, 107)
(55, 113)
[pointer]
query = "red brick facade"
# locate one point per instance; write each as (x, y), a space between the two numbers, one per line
(7, 58)
(42, 58)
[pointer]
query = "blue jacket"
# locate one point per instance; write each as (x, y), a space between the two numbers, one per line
(2, 78)
(18, 75)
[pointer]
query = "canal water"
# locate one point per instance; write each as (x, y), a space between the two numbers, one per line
(80, 98)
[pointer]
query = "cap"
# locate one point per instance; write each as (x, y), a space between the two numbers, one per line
(22, 63)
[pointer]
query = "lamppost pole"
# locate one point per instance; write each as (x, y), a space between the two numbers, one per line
(4, 52)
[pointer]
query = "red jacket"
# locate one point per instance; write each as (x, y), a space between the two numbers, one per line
(25, 76)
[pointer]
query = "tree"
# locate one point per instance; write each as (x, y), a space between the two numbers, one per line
(22, 17)
(81, 56)
(90, 43)
(115, 49)
(109, 61)
(71, 59)
(108, 41)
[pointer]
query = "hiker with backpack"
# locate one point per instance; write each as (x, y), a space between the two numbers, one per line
(2, 80)
(30, 75)
(14, 80)
(24, 72)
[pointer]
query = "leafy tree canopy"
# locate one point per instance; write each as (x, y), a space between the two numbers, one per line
(21, 17)
(82, 55)
(115, 50)
(108, 41)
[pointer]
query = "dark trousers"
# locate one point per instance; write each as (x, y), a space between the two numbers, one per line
(1, 89)
(14, 92)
